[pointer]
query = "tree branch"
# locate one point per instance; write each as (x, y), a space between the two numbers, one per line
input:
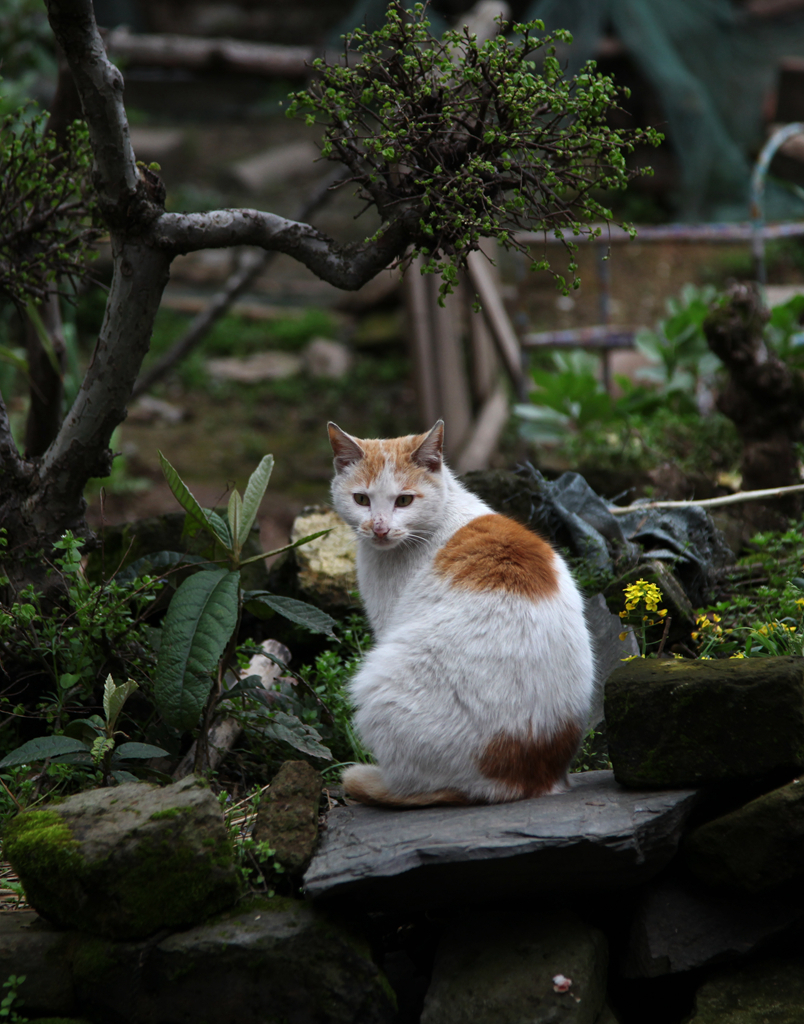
(100, 88)
(345, 266)
(222, 301)
(11, 461)
(80, 450)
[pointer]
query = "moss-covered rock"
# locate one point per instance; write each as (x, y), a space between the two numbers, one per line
(757, 847)
(492, 968)
(690, 723)
(278, 961)
(766, 990)
(125, 862)
(287, 818)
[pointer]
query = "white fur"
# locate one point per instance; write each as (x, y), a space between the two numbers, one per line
(452, 668)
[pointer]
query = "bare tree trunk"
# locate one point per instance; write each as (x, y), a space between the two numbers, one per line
(41, 497)
(764, 397)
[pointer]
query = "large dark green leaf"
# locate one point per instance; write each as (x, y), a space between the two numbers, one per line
(304, 738)
(197, 627)
(304, 614)
(209, 521)
(41, 748)
(137, 750)
(255, 491)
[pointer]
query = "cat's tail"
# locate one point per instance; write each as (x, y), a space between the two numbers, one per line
(365, 783)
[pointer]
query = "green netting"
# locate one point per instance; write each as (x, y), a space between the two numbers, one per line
(712, 66)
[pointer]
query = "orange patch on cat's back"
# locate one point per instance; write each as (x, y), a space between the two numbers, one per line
(530, 767)
(395, 453)
(493, 552)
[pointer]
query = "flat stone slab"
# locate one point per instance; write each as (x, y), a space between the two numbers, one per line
(596, 836)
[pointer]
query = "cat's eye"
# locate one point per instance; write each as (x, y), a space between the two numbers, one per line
(362, 499)
(403, 499)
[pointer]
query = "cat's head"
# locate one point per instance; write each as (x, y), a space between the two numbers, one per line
(389, 491)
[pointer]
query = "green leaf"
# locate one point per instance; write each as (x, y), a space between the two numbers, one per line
(304, 614)
(304, 738)
(158, 563)
(199, 622)
(85, 729)
(254, 493)
(41, 748)
(235, 512)
(114, 697)
(137, 750)
(278, 551)
(207, 520)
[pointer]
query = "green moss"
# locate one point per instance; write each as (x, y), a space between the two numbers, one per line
(93, 959)
(168, 812)
(39, 844)
(171, 883)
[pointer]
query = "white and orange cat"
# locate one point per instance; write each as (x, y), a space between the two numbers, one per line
(478, 687)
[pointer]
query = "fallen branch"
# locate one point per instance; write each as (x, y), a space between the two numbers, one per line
(175, 51)
(725, 499)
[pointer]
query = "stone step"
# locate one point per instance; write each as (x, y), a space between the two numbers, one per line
(596, 836)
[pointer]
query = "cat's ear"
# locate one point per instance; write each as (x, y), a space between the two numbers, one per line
(429, 453)
(347, 451)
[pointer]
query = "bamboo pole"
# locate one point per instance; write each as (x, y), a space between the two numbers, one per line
(725, 499)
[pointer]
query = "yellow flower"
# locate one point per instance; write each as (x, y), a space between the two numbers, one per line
(623, 636)
(739, 654)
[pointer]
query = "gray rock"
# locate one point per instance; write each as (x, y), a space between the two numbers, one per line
(605, 629)
(276, 960)
(287, 818)
(678, 927)
(31, 947)
(769, 990)
(326, 358)
(125, 862)
(596, 836)
(691, 723)
(500, 969)
(757, 847)
(281, 961)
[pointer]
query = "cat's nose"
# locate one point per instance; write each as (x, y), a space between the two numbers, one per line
(381, 529)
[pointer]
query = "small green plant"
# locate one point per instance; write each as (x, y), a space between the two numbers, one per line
(199, 635)
(92, 742)
(12, 996)
(259, 870)
(96, 628)
(316, 711)
(680, 361)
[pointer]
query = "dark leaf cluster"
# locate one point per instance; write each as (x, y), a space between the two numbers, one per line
(477, 140)
(46, 207)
